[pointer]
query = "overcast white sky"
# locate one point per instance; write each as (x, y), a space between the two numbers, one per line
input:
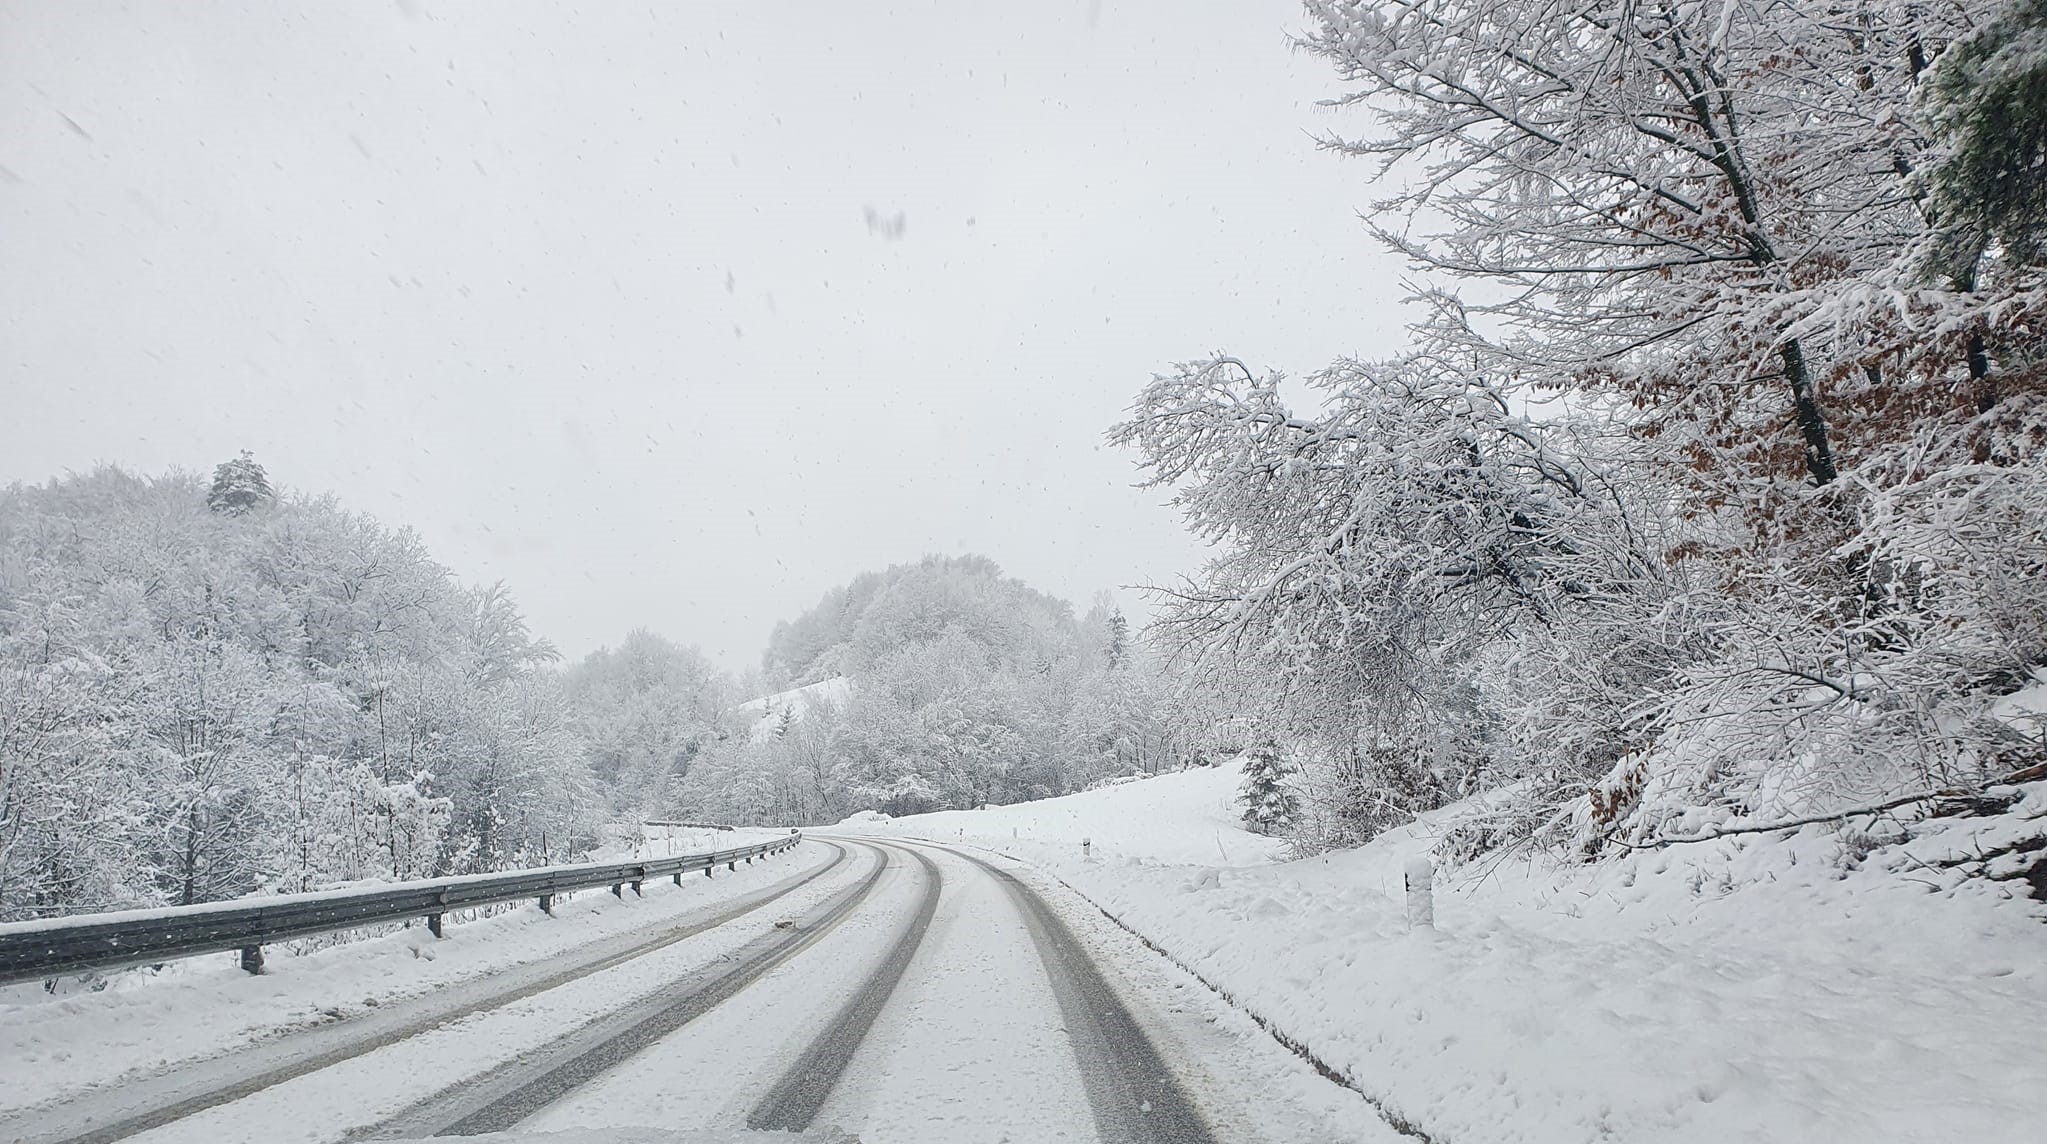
(590, 296)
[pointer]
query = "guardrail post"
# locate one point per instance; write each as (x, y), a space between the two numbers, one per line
(617, 890)
(547, 904)
(252, 958)
(433, 924)
(678, 877)
(732, 866)
(707, 871)
(637, 893)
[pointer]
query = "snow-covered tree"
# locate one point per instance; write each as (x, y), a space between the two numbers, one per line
(1696, 487)
(239, 486)
(1985, 102)
(1267, 796)
(1655, 189)
(1370, 557)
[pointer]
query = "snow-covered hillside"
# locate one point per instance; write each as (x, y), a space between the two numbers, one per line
(1769, 988)
(767, 713)
(1185, 817)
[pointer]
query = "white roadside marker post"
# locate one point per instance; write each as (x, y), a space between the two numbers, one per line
(1086, 849)
(1421, 898)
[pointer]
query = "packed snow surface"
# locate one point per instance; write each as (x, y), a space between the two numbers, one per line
(1798, 988)
(657, 1136)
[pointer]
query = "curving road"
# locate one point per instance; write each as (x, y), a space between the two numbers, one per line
(895, 991)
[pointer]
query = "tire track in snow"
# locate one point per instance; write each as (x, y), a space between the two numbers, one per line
(507, 1096)
(795, 1099)
(972, 1048)
(1134, 1095)
(157, 1101)
(1285, 1040)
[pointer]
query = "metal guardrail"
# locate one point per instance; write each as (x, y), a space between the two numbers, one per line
(53, 948)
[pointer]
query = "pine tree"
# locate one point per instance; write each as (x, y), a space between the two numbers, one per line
(239, 486)
(1986, 102)
(1119, 638)
(1269, 803)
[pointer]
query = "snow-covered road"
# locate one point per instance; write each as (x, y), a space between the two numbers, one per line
(947, 1061)
(898, 992)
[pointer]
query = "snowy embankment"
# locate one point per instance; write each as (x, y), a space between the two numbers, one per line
(1183, 818)
(133, 1021)
(1763, 989)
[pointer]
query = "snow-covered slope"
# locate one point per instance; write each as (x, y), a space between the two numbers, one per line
(767, 712)
(1180, 817)
(1767, 988)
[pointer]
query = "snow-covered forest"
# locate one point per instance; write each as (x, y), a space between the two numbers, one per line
(213, 688)
(962, 687)
(208, 689)
(1711, 492)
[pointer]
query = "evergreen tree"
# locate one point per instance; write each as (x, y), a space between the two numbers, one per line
(1119, 638)
(239, 486)
(1986, 102)
(1269, 803)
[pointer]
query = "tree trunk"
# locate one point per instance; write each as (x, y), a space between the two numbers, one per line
(1812, 425)
(190, 894)
(1979, 373)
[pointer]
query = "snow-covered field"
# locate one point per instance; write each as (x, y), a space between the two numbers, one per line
(1179, 818)
(140, 1021)
(1758, 989)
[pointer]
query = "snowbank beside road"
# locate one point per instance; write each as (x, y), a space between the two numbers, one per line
(142, 1020)
(1762, 989)
(1185, 817)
